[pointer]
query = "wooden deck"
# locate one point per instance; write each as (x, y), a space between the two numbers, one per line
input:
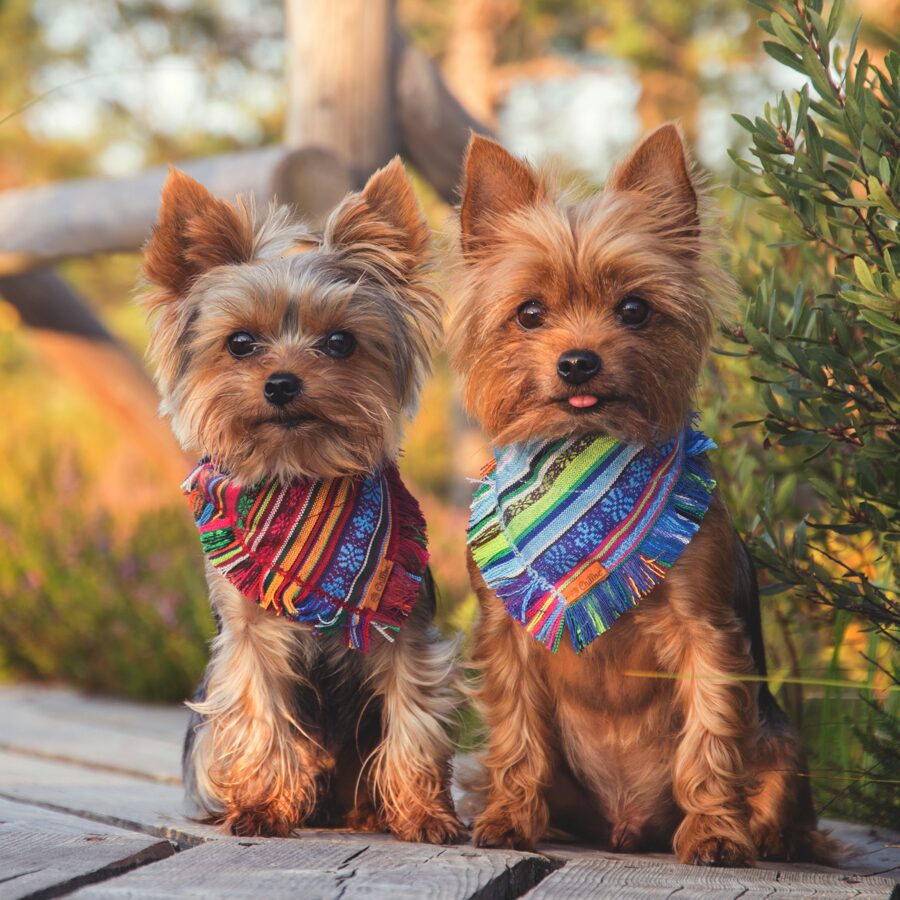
(91, 804)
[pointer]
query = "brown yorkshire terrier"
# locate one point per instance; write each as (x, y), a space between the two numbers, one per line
(295, 356)
(593, 318)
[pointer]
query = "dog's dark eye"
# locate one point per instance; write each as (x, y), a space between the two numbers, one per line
(339, 344)
(633, 312)
(531, 314)
(241, 344)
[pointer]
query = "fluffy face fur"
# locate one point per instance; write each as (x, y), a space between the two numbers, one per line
(579, 262)
(218, 270)
(595, 317)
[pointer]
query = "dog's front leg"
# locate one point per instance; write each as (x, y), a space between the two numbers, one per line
(517, 711)
(250, 765)
(414, 677)
(704, 644)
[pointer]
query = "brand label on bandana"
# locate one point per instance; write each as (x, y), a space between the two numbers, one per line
(345, 554)
(570, 534)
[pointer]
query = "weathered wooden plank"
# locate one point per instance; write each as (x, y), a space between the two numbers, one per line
(639, 878)
(322, 869)
(35, 865)
(130, 803)
(62, 704)
(44, 853)
(62, 725)
(16, 815)
(102, 737)
(877, 848)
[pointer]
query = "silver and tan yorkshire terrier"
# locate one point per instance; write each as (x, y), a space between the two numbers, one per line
(295, 356)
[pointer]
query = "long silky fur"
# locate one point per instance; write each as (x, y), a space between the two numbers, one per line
(290, 729)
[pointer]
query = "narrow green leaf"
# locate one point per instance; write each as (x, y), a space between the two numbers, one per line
(880, 321)
(851, 47)
(784, 56)
(834, 19)
(786, 34)
(863, 275)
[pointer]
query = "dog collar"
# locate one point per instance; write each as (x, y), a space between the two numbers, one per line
(571, 533)
(343, 554)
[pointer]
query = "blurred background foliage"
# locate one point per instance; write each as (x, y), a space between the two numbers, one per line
(100, 573)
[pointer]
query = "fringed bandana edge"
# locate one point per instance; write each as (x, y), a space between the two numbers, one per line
(345, 555)
(570, 534)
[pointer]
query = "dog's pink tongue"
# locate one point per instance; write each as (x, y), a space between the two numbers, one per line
(583, 401)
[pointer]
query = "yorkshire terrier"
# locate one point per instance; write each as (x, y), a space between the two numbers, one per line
(579, 338)
(288, 360)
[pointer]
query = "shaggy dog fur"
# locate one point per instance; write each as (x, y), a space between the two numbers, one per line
(291, 729)
(703, 762)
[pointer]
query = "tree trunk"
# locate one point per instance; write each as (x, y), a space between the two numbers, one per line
(472, 51)
(341, 80)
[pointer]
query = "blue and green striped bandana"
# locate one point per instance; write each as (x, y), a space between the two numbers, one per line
(571, 533)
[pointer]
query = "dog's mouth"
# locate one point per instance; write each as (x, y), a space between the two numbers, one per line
(289, 422)
(584, 404)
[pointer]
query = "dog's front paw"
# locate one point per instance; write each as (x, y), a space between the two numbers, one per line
(443, 827)
(722, 840)
(715, 851)
(497, 831)
(265, 821)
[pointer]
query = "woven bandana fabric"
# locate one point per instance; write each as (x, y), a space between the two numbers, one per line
(571, 533)
(345, 555)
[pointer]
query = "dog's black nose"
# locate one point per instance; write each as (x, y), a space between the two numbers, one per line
(281, 388)
(577, 366)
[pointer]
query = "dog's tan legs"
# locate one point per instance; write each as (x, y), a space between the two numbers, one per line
(708, 651)
(414, 677)
(708, 772)
(251, 767)
(518, 714)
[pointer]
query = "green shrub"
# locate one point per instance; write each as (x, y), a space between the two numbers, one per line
(821, 332)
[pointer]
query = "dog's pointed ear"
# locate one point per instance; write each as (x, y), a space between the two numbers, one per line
(195, 232)
(390, 195)
(385, 213)
(495, 184)
(658, 167)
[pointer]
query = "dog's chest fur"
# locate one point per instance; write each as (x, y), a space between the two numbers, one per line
(616, 729)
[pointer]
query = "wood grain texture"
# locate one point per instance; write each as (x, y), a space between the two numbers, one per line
(627, 877)
(323, 869)
(16, 816)
(121, 737)
(121, 800)
(35, 864)
(85, 791)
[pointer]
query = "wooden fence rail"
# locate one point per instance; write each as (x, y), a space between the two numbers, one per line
(42, 225)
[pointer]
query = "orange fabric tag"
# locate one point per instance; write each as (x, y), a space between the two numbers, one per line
(379, 583)
(593, 574)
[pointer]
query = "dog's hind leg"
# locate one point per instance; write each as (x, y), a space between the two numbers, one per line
(782, 816)
(250, 764)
